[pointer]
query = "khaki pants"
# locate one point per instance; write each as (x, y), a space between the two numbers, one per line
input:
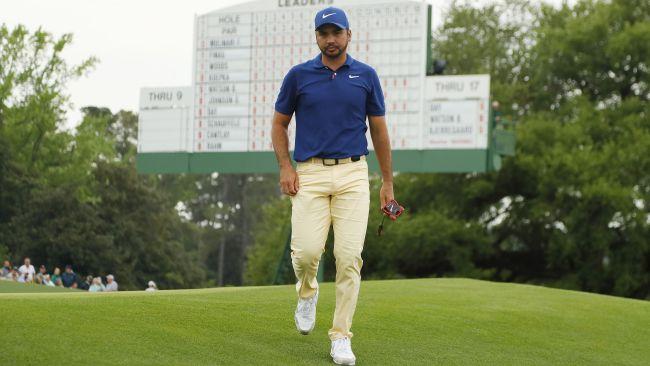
(337, 195)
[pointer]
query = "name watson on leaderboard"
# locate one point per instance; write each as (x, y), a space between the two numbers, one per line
(287, 3)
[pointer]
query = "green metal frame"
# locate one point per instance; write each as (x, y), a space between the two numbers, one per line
(416, 161)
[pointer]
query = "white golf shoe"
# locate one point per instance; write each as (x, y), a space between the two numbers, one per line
(305, 315)
(342, 352)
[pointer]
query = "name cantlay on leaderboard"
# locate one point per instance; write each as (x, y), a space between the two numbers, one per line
(287, 3)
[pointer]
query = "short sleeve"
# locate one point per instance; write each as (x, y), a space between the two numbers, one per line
(286, 102)
(375, 102)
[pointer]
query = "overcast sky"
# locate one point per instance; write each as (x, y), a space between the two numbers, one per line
(140, 43)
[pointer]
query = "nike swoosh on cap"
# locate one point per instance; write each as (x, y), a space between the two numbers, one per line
(326, 15)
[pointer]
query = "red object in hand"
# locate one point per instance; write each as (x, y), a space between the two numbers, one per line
(392, 210)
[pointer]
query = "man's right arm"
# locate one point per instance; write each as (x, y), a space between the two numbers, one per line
(280, 138)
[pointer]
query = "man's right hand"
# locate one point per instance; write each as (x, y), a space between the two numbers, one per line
(288, 180)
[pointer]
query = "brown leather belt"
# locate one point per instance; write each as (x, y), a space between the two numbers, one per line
(335, 161)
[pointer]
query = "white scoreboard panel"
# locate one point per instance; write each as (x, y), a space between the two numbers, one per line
(456, 112)
(242, 53)
(165, 119)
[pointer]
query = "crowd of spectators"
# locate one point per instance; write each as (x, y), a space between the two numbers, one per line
(28, 274)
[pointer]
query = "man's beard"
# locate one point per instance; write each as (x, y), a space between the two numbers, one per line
(337, 54)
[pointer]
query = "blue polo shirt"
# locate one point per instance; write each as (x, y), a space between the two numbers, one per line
(331, 107)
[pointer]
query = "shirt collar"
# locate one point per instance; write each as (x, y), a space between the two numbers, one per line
(318, 62)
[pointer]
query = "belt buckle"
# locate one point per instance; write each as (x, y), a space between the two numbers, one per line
(332, 160)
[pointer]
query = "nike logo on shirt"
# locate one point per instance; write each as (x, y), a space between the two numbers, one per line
(353, 76)
(326, 15)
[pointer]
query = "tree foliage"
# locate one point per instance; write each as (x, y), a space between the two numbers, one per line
(75, 197)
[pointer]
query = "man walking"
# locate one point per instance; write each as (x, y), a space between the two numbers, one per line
(27, 270)
(331, 96)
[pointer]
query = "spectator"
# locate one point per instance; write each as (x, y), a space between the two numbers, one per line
(23, 278)
(14, 274)
(47, 281)
(68, 277)
(28, 270)
(74, 285)
(56, 275)
(85, 285)
(6, 270)
(111, 284)
(42, 271)
(97, 285)
(58, 282)
(152, 286)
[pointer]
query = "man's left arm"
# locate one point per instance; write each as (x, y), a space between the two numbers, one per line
(381, 143)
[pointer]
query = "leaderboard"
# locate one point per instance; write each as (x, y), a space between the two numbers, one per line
(242, 53)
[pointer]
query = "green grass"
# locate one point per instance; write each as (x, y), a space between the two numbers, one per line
(16, 287)
(406, 322)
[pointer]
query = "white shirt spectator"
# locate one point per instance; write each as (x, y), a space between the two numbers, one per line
(111, 285)
(152, 286)
(97, 285)
(30, 271)
(47, 281)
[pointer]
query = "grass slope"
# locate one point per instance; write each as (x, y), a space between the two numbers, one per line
(406, 322)
(16, 287)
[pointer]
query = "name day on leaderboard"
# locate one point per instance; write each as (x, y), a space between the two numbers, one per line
(241, 59)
